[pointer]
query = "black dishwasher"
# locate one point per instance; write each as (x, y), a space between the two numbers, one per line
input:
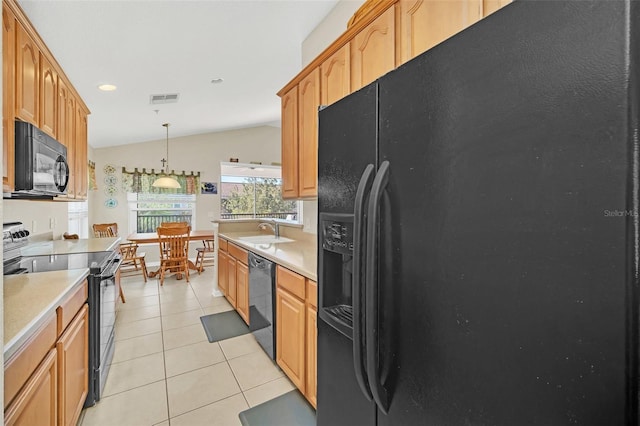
(262, 295)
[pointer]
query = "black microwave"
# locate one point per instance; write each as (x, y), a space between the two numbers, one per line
(41, 167)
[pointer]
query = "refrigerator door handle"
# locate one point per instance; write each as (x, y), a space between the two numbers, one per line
(379, 393)
(357, 288)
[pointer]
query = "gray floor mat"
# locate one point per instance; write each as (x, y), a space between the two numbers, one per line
(223, 326)
(290, 409)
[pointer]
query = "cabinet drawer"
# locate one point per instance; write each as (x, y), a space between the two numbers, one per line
(24, 362)
(70, 307)
(312, 293)
(222, 244)
(239, 253)
(290, 281)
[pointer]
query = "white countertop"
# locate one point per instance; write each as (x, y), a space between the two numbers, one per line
(300, 255)
(88, 245)
(30, 299)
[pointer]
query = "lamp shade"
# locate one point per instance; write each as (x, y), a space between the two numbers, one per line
(166, 182)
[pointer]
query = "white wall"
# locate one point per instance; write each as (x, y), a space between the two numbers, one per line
(201, 153)
(39, 217)
(319, 39)
(329, 29)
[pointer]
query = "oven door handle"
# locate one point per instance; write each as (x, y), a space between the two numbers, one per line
(111, 274)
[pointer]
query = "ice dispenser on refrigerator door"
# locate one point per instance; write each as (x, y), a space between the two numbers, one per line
(336, 258)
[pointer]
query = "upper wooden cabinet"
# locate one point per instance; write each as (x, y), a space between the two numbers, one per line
(335, 76)
(425, 23)
(300, 138)
(8, 90)
(36, 90)
(48, 98)
(309, 101)
(373, 50)
(81, 177)
(27, 78)
(290, 143)
(382, 35)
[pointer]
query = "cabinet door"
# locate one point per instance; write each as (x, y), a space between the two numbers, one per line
(231, 281)
(490, 6)
(67, 131)
(373, 50)
(73, 368)
(242, 285)
(36, 404)
(290, 344)
(223, 277)
(309, 101)
(48, 98)
(425, 23)
(8, 94)
(81, 181)
(290, 144)
(63, 96)
(335, 76)
(312, 354)
(27, 78)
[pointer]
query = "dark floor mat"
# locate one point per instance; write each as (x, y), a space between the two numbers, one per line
(290, 409)
(223, 326)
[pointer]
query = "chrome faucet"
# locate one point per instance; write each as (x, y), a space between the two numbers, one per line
(275, 227)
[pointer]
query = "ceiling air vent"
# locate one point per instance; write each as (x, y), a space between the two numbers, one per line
(168, 98)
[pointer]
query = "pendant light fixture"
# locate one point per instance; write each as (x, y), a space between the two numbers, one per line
(165, 181)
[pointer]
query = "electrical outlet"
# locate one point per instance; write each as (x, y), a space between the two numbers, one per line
(52, 223)
(33, 227)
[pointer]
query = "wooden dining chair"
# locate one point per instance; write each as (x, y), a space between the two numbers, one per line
(132, 260)
(105, 230)
(174, 224)
(204, 255)
(174, 250)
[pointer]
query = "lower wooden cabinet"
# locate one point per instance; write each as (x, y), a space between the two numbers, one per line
(232, 290)
(242, 290)
(47, 379)
(290, 332)
(311, 305)
(233, 278)
(73, 368)
(296, 330)
(36, 403)
(222, 271)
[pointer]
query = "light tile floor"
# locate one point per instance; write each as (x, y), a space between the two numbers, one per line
(165, 371)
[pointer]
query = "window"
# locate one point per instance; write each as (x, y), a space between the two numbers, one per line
(78, 218)
(148, 211)
(254, 191)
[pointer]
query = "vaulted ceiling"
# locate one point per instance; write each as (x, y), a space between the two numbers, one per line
(179, 47)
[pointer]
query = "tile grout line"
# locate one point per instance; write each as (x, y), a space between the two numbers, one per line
(164, 358)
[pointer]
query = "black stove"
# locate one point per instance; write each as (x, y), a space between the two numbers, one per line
(103, 267)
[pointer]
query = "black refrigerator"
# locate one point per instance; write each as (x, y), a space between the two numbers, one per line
(478, 228)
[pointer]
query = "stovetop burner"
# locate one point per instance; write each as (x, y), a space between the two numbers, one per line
(58, 262)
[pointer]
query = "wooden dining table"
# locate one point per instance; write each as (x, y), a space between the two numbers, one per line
(152, 237)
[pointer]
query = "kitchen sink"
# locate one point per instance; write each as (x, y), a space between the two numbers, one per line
(265, 239)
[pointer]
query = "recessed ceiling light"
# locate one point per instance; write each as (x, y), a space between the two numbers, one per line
(217, 81)
(107, 87)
